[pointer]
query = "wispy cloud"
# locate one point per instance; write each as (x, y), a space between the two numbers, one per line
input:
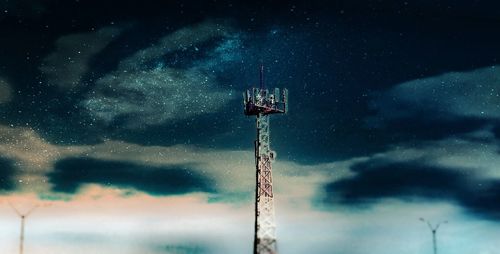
(151, 87)
(69, 63)
(5, 91)
(472, 94)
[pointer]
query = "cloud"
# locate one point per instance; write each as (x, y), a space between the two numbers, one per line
(151, 87)
(6, 174)
(233, 171)
(187, 248)
(103, 220)
(69, 63)
(447, 97)
(32, 155)
(178, 218)
(183, 40)
(456, 169)
(5, 91)
(69, 174)
(377, 179)
(152, 224)
(231, 174)
(153, 97)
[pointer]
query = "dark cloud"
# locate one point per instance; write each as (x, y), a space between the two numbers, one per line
(188, 248)
(496, 131)
(70, 174)
(483, 198)
(6, 174)
(449, 96)
(377, 179)
(23, 9)
(413, 180)
(421, 126)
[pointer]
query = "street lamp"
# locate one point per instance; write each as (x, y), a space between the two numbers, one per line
(433, 230)
(23, 217)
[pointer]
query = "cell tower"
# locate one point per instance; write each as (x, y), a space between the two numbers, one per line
(261, 103)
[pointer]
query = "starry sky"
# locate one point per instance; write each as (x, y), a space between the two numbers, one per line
(123, 121)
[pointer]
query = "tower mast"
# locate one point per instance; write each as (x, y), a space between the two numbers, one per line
(261, 103)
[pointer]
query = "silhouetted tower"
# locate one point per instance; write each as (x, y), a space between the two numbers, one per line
(261, 103)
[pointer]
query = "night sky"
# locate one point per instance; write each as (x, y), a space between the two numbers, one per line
(124, 121)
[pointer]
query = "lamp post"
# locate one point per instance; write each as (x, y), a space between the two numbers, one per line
(23, 217)
(434, 231)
